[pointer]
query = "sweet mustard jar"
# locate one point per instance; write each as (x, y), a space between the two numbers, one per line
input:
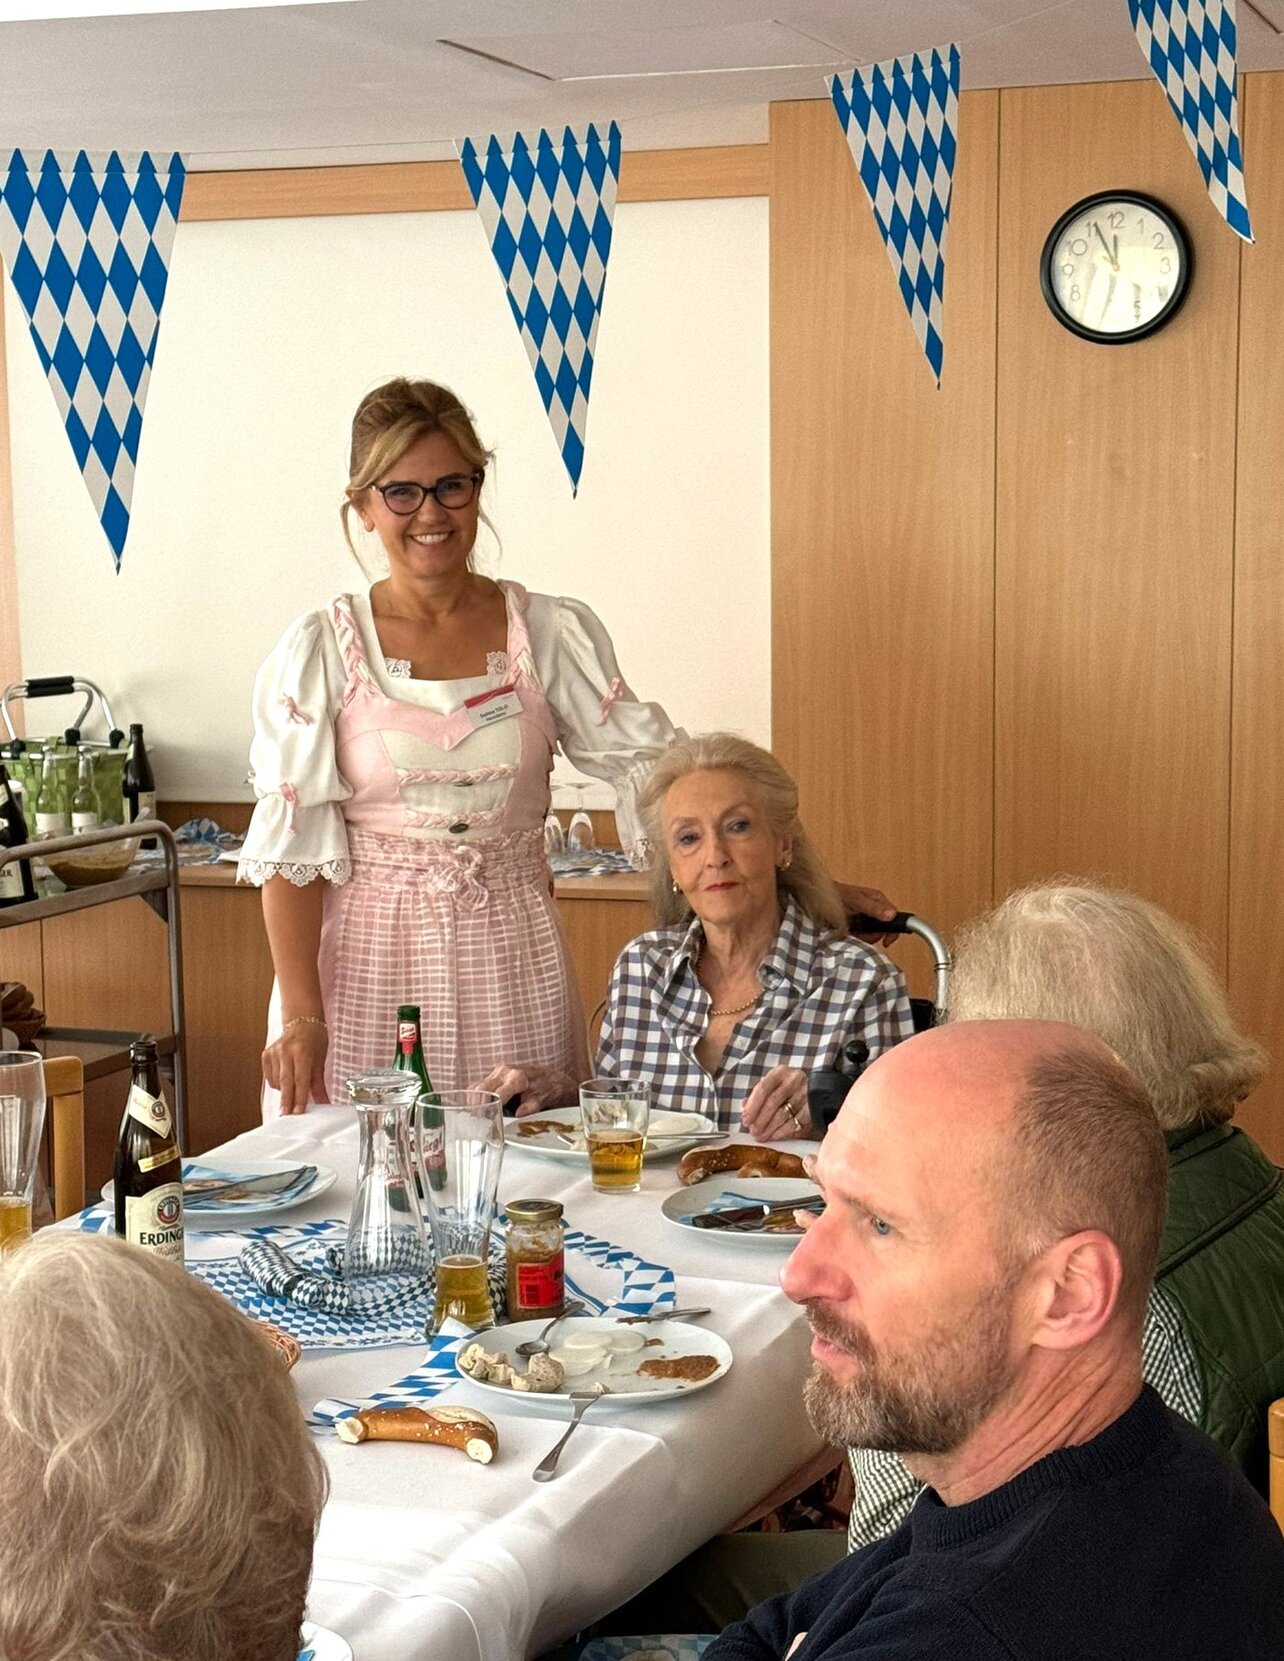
(534, 1250)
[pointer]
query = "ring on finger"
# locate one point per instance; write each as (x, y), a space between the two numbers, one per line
(792, 1111)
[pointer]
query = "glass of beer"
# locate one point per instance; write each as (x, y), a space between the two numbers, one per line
(615, 1112)
(461, 1198)
(22, 1121)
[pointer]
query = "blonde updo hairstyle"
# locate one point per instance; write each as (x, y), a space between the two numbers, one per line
(804, 878)
(392, 418)
(1120, 967)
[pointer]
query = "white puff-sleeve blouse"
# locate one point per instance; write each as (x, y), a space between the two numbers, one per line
(298, 829)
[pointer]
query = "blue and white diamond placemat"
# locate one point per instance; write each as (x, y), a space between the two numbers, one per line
(901, 122)
(1190, 46)
(548, 205)
(87, 241)
(606, 1277)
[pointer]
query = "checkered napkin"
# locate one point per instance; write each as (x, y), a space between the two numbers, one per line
(87, 240)
(1190, 46)
(548, 205)
(901, 122)
(646, 1288)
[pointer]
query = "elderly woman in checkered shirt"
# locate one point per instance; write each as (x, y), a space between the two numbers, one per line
(751, 984)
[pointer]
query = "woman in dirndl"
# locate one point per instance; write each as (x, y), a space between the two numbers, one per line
(403, 743)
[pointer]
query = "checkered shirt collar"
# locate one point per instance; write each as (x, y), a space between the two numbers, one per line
(794, 956)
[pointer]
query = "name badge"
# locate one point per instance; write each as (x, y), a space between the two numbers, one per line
(501, 703)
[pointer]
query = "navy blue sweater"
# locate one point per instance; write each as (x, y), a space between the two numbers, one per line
(1145, 1544)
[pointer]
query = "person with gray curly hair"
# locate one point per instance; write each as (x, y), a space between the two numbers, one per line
(159, 1491)
(1118, 966)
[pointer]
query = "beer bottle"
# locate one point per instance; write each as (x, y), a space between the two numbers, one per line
(139, 785)
(16, 884)
(428, 1123)
(148, 1173)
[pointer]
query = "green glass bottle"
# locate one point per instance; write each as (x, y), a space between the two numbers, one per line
(84, 803)
(51, 804)
(428, 1123)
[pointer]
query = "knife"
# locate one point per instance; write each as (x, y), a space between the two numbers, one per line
(273, 1182)
(753, 1213)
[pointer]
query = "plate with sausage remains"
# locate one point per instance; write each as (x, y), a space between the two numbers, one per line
(559, 1134)
(728, 1196)
(628, 1365)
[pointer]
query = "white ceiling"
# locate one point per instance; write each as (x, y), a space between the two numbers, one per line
(396, 80)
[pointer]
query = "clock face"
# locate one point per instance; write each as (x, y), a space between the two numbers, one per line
(1115, 267)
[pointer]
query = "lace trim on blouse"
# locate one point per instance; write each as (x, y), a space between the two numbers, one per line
(397, 668)
(257, 871)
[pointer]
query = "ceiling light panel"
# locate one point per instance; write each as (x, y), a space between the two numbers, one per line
(628, 53)
(34, 11)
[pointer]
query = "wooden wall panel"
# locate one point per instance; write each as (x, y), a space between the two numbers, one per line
(1115, 521)
(882, 524)
(1257, 729)
(227, 980)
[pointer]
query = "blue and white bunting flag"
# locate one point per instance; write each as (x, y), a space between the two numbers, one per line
(1191, 47)
(87, 242)
(548, 205)
(901, 121)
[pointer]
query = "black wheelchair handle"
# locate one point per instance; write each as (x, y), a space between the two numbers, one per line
(861, 922)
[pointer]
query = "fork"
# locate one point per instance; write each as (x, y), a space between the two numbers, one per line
(581, 1401)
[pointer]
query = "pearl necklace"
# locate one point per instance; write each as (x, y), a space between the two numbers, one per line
(739, 1008)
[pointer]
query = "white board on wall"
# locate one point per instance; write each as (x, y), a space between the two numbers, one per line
(272, 332)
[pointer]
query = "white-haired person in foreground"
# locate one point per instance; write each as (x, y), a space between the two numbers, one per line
(159, 1491)
(1118, 966)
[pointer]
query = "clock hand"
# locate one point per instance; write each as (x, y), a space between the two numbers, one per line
(1110, 294)
(1113, 258)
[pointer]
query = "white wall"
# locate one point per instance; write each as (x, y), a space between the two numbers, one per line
(272, 332)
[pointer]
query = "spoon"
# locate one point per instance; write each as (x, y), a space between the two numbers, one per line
(539, 1345)
(581, 1401)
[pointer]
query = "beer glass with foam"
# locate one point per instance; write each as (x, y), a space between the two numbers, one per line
(615, 1113)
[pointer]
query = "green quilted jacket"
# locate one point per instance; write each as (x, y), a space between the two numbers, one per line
(1222, 1263)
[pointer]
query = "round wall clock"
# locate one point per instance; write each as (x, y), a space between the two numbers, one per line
(1115, 267)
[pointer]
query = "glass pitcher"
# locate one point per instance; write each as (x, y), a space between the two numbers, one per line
(386, 1237)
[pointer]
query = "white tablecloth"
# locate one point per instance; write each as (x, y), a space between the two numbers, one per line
(425, 1556)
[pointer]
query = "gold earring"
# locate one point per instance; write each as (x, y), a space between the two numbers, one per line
(786, 862)
(674, 886)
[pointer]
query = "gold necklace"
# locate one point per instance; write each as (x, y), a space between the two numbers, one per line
(739, 1008)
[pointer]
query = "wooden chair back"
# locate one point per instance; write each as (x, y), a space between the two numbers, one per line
(1275, 1436)
(65, 1084)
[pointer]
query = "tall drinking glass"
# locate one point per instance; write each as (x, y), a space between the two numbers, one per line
(461, 1196)
(386, 1238)
(22, 1120)
(615, 1112)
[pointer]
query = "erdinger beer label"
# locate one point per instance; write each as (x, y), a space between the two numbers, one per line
(155, 1221)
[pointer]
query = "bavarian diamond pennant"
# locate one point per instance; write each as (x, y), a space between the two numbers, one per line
(87, 242)
(548, 205)
(901, 122)
(1190, 46)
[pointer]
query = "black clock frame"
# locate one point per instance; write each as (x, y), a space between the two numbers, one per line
(1098, 337)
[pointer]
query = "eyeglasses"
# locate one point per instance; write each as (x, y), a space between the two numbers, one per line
(456, 490)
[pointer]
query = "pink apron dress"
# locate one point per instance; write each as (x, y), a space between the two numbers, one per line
(458, 919)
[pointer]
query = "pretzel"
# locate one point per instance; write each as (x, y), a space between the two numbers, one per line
(698, 1163)
(450, 1427)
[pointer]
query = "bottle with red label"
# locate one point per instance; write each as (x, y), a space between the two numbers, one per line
(535, 1260)
(148, 1174)
(427, 1122)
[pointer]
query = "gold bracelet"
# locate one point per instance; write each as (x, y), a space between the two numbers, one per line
(303, 1021)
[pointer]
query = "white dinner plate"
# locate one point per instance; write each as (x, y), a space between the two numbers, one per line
(210, 1213)
(625, 1385)
(663, 1124)
(768, 1190)
(318, 1643)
